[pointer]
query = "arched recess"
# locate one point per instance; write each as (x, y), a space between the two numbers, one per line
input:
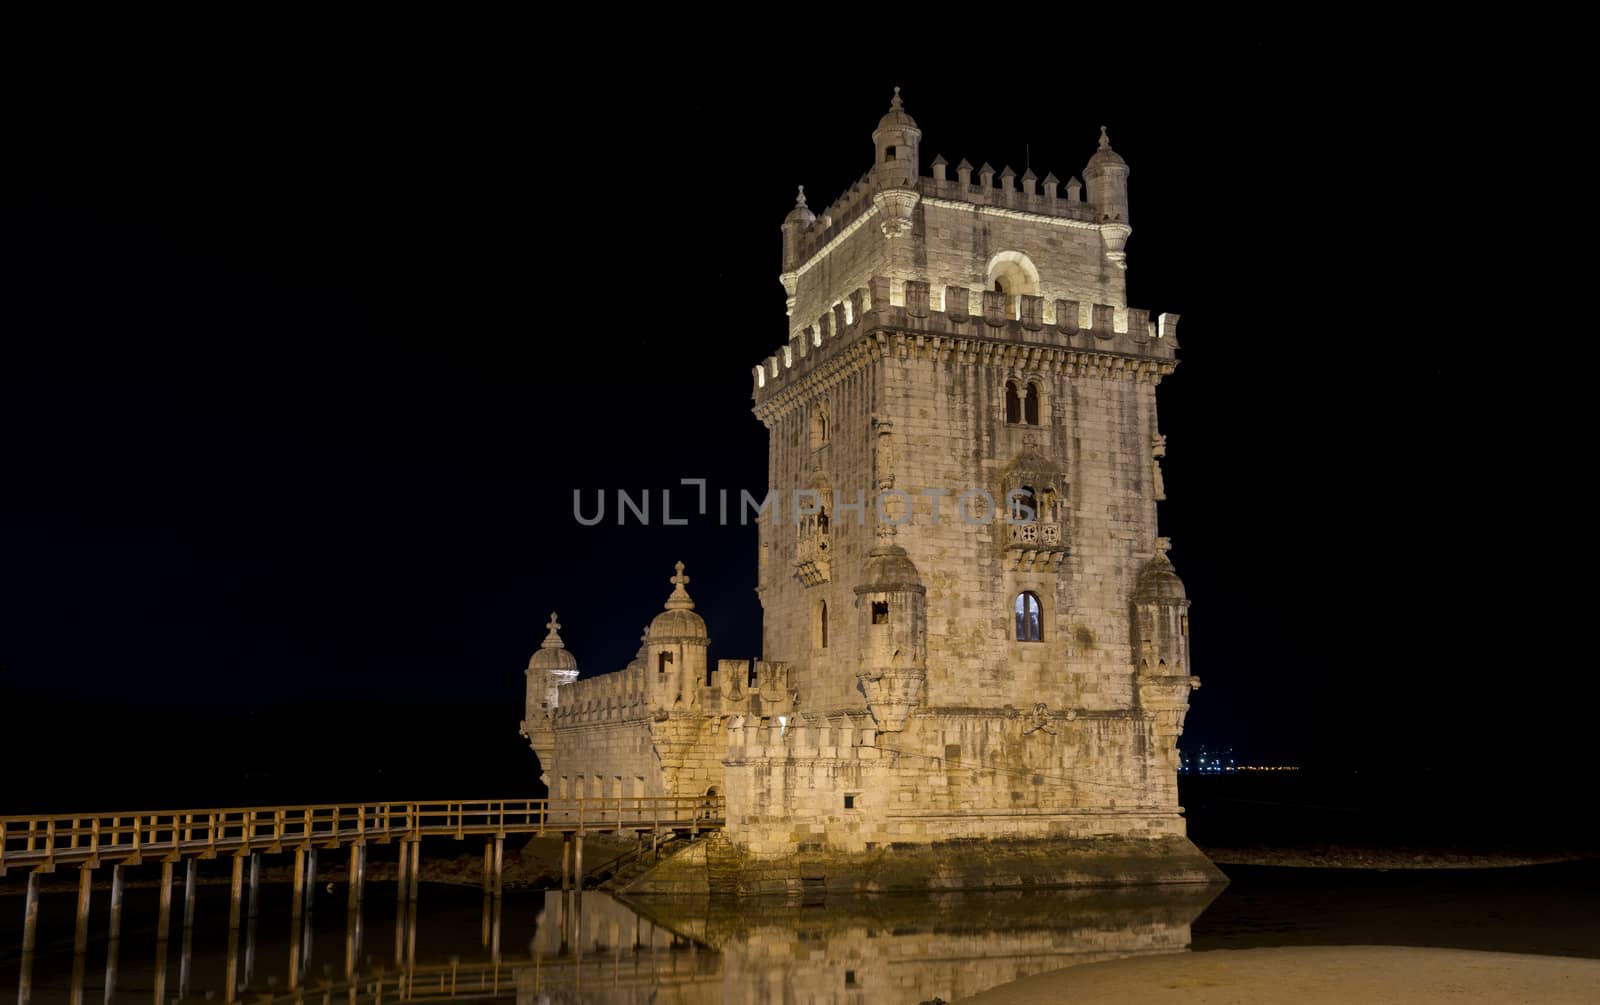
(1014, 274)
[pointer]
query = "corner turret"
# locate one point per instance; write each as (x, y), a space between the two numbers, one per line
(1107, 179)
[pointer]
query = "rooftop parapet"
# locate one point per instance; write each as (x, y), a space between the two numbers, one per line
(976, 317)
(1051, 198)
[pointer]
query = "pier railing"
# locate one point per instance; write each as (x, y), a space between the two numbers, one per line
(87, 838)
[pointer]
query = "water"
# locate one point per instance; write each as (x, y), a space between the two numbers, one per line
(545, 946)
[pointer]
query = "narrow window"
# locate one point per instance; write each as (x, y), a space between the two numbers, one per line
(888, 153)
(850, 801)
(822, 624)
(880, 612)
(822, 520)
(663, 661)
(1030, 405)
(1029, 622)
(1013, 403)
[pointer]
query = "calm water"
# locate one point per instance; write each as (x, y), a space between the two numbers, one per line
(538, 947)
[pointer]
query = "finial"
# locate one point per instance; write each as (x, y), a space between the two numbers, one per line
(895, 101)
(800, 200)
(553, 640)
(679, 601)
(1105, 141)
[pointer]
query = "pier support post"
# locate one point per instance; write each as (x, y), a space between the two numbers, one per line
(488, 863)
(416, 870)
(255, 883)
(80, 935)
(235, 893)
(30, 914)
(311, 879)
(295, 909)
(116, 902)
(577, 862)
(354, 896)
(402, 870)
(164, 913)
(499, 864)
(189, 868)
(566, 862)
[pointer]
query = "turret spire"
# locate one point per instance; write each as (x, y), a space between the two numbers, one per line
(553, 640)
(679, 601)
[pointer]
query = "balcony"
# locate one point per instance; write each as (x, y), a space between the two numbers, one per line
(1035, 546)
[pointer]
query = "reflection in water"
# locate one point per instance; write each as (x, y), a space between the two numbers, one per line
(566, 947)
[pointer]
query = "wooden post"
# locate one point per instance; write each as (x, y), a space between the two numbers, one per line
(566, 862)
(255, 882)
(311, 878)
(230, 977)
(577, 862)
(189, 867)
(30, 915)
(164, 917)
(416, 868)
(80, 935)
(30, 934)
(355, 877)
(116, 902)
(235, 893)
(488, 865)
(295, 910)
(499, 861)
(402, 869)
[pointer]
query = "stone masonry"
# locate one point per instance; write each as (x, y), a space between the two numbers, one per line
(972, 630)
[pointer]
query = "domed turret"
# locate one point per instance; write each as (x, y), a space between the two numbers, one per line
(552, 665)
(675, 655)
(896, 141)
(796, 223)
(678, 622)
(894, 172)
(891, 605)
(1160, 615)
(1106, 177)
(1159, 583)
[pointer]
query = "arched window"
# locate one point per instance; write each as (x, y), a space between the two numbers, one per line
(822, 625)
(1030, 620)
(1030, 405)
(1013, 402)
(663, 660)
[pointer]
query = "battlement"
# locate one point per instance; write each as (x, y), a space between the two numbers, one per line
(1026, 194)
(636, 693)
(842, 735)
(969, 318)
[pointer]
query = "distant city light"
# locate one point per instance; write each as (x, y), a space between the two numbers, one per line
(1204, 762)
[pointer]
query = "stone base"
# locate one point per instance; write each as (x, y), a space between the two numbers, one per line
(717, 866)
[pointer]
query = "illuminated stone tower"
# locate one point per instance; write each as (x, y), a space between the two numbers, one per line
(975, 660)
(962, 569)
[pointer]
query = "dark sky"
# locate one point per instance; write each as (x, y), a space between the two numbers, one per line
(302, 368)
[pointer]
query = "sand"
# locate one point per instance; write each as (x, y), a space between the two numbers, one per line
(1310, 976)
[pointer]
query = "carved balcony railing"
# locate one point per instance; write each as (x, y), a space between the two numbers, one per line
(1035, 546)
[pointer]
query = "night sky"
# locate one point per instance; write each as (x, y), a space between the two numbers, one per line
(303, 366)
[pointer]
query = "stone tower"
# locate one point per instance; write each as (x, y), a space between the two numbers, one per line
(998, 644)
(971, 629)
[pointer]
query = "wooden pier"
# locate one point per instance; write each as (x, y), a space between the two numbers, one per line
(41, 844)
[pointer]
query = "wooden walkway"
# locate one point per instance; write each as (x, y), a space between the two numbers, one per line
(42, 843)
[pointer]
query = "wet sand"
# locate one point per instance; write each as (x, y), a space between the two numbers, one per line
(1312, 975)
